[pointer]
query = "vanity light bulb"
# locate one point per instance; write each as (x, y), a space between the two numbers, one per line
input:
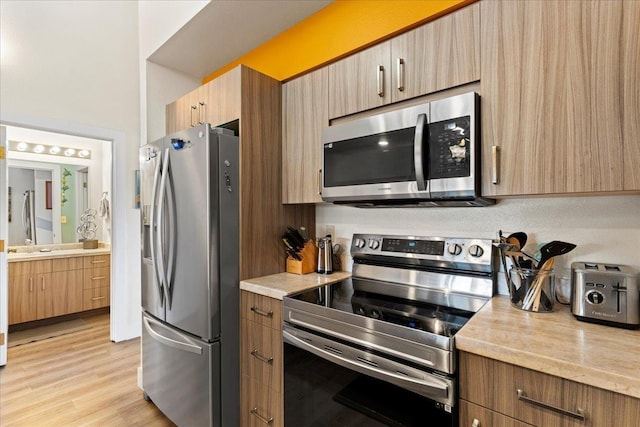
(54, 150)
(69, 152)
(83, 153)
(22, 146)
(38, 149)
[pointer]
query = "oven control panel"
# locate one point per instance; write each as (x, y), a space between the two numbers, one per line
(475, 251)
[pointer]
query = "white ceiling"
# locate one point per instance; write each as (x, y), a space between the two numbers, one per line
(224, 30)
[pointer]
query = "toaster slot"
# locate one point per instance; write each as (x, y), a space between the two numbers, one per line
(612, 268)
(588, 266)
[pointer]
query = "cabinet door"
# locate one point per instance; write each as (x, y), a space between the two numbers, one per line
(22, 298)
(361, 81)
(559, 96)
(260, 405)
(472, 415)
(304, 114)
(261, 354)
(438, 55)
(183, 112)
(45, 291)
(66, 292)
(222, 98)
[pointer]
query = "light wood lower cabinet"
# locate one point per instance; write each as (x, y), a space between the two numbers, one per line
(54, 287)
(261, 361)
(472, 415)
(538, 399)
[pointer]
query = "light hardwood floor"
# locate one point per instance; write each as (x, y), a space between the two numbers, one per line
(79, 379)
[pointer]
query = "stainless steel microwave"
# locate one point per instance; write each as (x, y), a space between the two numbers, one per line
(423, 155)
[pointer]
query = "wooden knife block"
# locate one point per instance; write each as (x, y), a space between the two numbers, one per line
(309, 263)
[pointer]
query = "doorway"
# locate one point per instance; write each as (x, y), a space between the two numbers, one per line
(66, 178)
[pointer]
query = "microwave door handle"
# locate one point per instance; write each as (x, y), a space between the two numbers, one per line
(418, 147)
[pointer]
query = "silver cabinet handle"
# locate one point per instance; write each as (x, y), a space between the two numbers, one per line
(320, 182)
(579, 414)
(191, 122)
(30, 284)
(495, 164)
(475, 423)
(255, 413)
(201, 108)
(262, 312)
(400, 70)
(97, 298)
(380, 72)
(268, 360)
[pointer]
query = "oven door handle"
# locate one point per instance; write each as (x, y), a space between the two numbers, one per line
(439, 389)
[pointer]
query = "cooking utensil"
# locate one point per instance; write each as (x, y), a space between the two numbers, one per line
(304, 233)
(553, 249)
(519, 237)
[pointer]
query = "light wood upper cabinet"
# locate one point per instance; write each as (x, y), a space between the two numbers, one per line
(304, 115)
(222, 98)
(438, 55)
(560, 83)
(187, 111)
(360, 82)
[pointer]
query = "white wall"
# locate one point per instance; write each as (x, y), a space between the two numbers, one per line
(604, 228)
(75, 65)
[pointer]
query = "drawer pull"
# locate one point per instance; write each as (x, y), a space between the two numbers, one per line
(97, 262)
(579, 414)
(495, 164)
(97, 298)
(262, 358)
(256, 310)
(475, 423)
(98, 278)
(254, 412)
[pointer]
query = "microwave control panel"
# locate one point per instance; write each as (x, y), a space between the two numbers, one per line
(450, 148)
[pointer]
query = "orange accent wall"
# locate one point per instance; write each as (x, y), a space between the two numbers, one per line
(338, 30)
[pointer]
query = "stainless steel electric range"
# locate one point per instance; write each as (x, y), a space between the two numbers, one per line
(379, 348)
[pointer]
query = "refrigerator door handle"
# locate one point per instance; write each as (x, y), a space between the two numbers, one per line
(171, 243)
(170, 342)
(160, 242)
(154, 226)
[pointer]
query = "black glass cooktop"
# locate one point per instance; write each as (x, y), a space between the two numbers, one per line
(349, 296)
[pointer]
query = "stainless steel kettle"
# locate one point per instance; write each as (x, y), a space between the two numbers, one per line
(325, 255)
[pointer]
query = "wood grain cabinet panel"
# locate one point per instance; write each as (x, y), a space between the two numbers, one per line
(96, 298)
(96, 261)
(22, 297)
(472, 415)
(539, 399)
(304, 115)
(439, 55)
(261, 354)
(186, 111)
(260, 406)
(560, 84)
(66, 293)
(96, 277)
(261, 309)
(222, 98)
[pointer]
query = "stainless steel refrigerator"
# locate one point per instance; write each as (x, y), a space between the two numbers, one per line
(190, 291)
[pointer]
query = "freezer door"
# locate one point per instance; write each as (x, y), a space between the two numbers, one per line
(181, 374)
(191, 217)
(150, 171)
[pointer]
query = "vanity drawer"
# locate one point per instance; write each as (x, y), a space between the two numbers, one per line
(96, 298)
(96, 277)
(97, 261)
(67, 264)
(261, 309)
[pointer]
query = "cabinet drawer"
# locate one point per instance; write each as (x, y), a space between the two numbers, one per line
(261, 354)
(541, 399)
(260, 405)
(472, 415)
(28, 268)
(96, 261)
(96, 277)
(261, 309)
(96, 298)
(67, 264)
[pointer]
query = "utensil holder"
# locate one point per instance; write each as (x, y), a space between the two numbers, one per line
(532, 290)
(309, 255)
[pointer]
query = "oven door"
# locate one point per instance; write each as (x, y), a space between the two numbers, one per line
(377, 157)
(332, 383)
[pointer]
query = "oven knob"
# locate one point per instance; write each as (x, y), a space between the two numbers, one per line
(455, 249)
(358, 243)
(476, 251)
(374, 244)
(376, 314)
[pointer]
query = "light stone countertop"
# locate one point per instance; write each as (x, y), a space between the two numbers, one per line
(557, 344)
(282, 284)
(56, 253)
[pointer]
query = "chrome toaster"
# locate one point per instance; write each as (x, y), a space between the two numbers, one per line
(605, 293)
